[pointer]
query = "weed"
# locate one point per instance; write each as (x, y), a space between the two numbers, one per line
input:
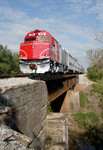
(102, 115)
(49, 108)
(86, 120)
(83, 100)
(98, 87)
(101, 103)
(91, 93)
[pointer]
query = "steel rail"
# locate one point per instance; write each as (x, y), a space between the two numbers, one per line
(40, 77)
(12, 76)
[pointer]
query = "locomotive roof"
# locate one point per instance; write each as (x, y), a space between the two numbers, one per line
(36, 32)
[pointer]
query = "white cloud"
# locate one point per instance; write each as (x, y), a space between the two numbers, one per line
(7, 13)
(77, 6)
(32, 3)
(96, 9)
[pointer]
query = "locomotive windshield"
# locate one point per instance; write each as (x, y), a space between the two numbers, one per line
(44, 39)
(30, 39)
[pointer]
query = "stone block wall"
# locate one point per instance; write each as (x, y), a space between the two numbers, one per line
(30, 101)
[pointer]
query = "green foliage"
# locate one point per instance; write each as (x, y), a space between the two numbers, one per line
(87, 120)
(94, 74)
(9, 62)
(49, 108)
(83, 100)
(4, 69)
(98, 87)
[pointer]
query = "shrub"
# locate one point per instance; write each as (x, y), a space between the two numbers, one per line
(94, 76)
(49, 108)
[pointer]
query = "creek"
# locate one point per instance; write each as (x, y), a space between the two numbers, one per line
(90, 147)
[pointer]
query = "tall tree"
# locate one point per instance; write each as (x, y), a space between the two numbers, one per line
(95, 58)
(9, 62)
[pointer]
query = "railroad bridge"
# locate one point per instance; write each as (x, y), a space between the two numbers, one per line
(28, 99)
(57, 84)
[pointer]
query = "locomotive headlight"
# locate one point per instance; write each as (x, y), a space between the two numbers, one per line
(32, 34)
(46, 54)
(42, 33)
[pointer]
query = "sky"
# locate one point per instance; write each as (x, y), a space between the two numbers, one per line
(73, 23)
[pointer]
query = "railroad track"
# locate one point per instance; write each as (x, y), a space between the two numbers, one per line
(13, 76)
(44, 77)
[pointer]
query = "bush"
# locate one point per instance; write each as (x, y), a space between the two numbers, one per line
(94, 75)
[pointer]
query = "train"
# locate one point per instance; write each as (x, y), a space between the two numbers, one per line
(41, 53)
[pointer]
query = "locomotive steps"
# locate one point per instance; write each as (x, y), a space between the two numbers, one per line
(23, 107)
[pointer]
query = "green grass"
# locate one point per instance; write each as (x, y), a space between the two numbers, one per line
(101, 103)
(98, 87)
(83, 100)
(95, 75)
(91, 122)
(86, 120)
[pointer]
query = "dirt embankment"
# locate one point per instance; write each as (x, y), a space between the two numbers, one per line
(86, 127)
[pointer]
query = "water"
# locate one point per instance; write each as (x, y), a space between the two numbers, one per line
(90, 147)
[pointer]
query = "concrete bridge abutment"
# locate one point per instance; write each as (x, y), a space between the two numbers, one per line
(71, 103)
(29, 100)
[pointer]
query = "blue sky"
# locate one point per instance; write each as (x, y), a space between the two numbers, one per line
(72, 22)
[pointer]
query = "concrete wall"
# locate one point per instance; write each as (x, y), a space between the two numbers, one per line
(30, 101)
(57, 132)
(71, 102)
(84, 83)
(83, 79)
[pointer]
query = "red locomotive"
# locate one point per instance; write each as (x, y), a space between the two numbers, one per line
(41, 53)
